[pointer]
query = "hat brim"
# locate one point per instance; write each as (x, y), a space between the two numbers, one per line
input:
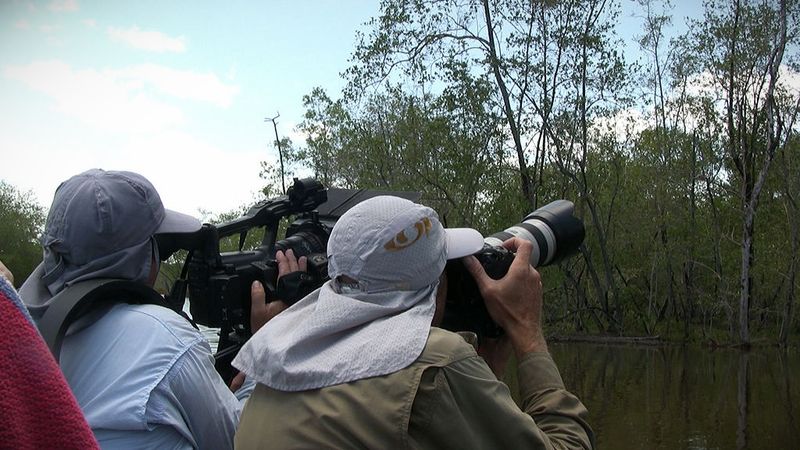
(462, 242)
(175, 222)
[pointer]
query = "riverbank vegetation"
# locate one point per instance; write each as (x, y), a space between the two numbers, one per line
(684, 165)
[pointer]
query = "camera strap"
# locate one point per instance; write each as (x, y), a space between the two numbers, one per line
(79, 299)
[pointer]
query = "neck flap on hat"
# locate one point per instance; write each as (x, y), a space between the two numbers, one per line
(55, 273)
(329, 338)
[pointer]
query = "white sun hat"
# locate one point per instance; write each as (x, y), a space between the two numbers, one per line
(391, 253)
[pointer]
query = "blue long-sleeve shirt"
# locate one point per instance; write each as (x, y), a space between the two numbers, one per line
(145, 378)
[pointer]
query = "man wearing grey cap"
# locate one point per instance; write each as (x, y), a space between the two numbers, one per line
(143, 376)
(360, 363)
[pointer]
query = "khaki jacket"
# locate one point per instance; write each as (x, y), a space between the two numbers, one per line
(447, 398)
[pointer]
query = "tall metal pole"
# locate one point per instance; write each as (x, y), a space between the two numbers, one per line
(280, 151)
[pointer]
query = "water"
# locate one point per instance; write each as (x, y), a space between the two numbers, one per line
(211, 334)
(676, 397)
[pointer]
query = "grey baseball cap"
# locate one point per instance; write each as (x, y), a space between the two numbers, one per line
(101, 225)
(99, 212)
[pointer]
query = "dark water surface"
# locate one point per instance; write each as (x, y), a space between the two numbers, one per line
(675, 397)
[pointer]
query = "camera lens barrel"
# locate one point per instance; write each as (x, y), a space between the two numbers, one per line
(303, 243)
(534, 231)
(305, 237)
(552, 229)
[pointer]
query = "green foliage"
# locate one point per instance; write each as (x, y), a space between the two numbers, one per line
(21, 224)
(398, 141)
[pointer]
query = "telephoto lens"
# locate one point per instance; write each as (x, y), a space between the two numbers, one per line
(552, 229)
(555, 234)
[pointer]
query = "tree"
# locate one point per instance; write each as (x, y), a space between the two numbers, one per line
(21, 224)
(425, 39)
(790, 176)
(443, 146)
(739, 46)
(545, 72)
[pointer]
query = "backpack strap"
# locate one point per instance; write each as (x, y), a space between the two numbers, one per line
(75, 301)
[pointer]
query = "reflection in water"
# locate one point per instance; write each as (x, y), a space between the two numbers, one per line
(742, 391)
(676, 397)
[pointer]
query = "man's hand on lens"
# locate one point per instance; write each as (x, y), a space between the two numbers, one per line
(287, 263)
(514, 301)
(261, 311)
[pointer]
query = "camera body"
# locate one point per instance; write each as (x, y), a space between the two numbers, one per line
(219, 283)
(554, 232)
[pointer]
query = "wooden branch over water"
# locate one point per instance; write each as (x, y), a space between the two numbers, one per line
(639, 340)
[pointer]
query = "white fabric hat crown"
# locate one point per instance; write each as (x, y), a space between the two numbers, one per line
(390, 243)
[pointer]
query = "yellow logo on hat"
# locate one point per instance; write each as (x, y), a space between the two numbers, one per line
(402, 240)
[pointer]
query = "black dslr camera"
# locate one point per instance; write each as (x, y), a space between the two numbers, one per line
(555, 234)
(219, 283)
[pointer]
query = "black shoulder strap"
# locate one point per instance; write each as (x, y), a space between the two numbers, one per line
(75, 301)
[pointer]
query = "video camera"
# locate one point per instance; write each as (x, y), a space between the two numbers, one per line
(218, 283)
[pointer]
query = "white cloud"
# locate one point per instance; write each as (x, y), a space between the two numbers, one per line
(63, 5)
(153, 41)
(91, 23)
(133, 111)
(626, 122)
(48, 29)
(790, 79)
(189, 173)
(204, 87)
(231, 74)
(102, 99)
(294, 133)
(704, 84)
(22, 25)
(38, 167)
(630, 122)
(122, 99)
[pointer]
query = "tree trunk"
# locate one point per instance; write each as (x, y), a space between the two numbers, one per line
(745, 281)
(689, 265)
(608, 267)
(793, 214)
(494, 61)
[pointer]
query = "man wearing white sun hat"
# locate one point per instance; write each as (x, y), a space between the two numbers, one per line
(360, 363)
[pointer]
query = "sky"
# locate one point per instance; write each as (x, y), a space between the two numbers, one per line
(177, 91)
